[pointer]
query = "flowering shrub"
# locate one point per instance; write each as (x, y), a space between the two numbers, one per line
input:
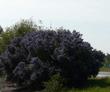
(33, 58)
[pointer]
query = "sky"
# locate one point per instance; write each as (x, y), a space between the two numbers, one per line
(89, 17)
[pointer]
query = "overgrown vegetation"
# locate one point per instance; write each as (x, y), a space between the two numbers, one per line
(19, 29)
(32, 56)
(55, 84)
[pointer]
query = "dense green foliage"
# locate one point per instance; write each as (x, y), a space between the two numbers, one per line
(55, 84)
(19, 29)
(31, 56)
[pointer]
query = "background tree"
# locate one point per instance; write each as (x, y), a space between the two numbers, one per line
(107, 61)
(19, 29)
(1, 29)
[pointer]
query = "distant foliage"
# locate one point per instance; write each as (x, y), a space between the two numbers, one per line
(35, 57)
(19, 29)
(107, 61)
(1, 29)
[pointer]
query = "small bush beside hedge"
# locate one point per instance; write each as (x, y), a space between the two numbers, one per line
(55, 84)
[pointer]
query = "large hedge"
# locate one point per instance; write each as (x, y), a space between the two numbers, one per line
(35, 57)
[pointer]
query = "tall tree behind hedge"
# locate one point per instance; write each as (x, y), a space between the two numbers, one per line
(19, 29)
(1, 29)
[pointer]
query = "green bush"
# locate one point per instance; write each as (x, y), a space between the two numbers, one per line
(19, 29)
(55, 84)
(23, 27)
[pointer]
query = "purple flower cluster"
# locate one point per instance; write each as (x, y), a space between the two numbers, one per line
(38, 55)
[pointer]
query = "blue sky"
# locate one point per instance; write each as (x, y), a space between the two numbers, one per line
(89, 17)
